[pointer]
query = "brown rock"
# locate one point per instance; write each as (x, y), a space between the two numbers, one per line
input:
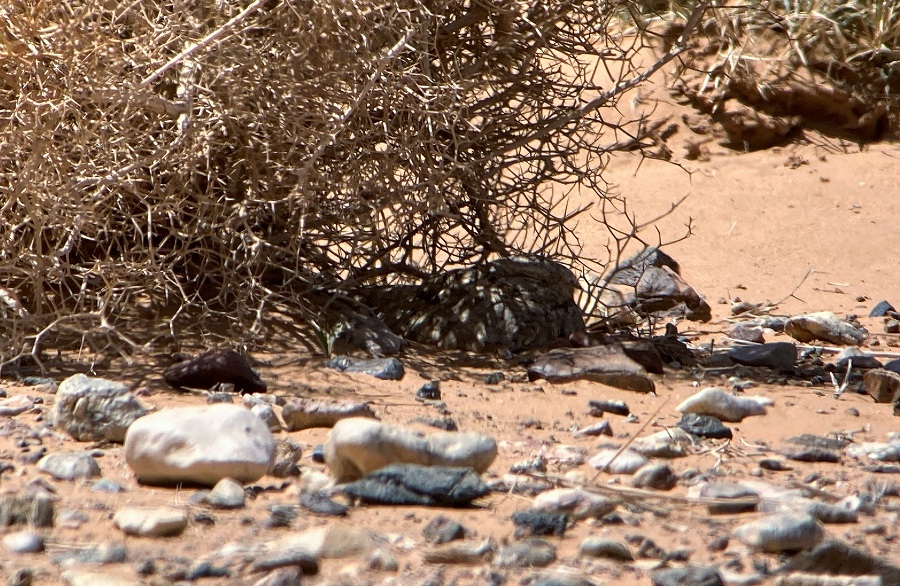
(883, 385)
(213, 367)
(608, 364)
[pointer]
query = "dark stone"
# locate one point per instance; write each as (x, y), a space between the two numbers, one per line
(206, 570)
(281, 516)
(445, 424)
(883, 468)
(598, 408)
(704, 426)
(893, 366)
(356, 331)
(860, 362)
(832, 514)
(443, 530)
(814, 455)
(318, 454)
(495, 378)
(780, 356)
(687, 576)
(381, 368)
(322, 505)
(212, 368)
(411, 484)
(881, 309)
(540, 523)
(608, 365)
(838, 558)
(644, 352)
(430, 391)
(662, 289)
(646, 547)
(774, 465)
(892, 326)
(882, 385)
(817, 441)
(718, 544)
(296, 557)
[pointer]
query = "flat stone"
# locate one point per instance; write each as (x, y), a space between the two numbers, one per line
(817, 441)
(357, 446)
(609, 365)
(614, 462)
(108, 486)
(813, 455)
(17, 405)
(301, 414)
(560, 577)
(199, 445)
(228, 493)
(881, 309)
(600, 407)
(70, 465)
(724, 406)
(530, 553)
(320, 504)
(748, 333)
(381, 368)
(882, 385)
(575, 502)
(215, 367)
(858, 358)
(412, 484)
(595, 429)
(781, 532)
(704, 426)
(826, 326)
(83, 578)
(655, 476)
(146, 521)
(460, 552)
(599, 547)
(687, 576)
(95, 409)
(747, 499)
(779, 356)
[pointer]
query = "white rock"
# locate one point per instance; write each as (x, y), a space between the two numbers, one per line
(15, 405)
(357, 446)
(94, 409)
(69, 465)
(199, 444)
(228, 493)
(26, 541)
(626, 462)
(781, 532)
(144, 521)
(267, 414)
(80, 578)
(575, 502)
(725, 406)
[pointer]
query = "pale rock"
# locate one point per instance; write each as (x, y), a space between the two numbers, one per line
(668, 443)
(575, 502)
(724, 406)
(781, 532)
(26, 541)
(267, 415)
(302, 414)
(200, 445)
(95, 409)
(15, 405)
(70, 465)
(357, 446)
(615, 462)
(824, 325)
(228, 493)
(82, 578)
(148, 521)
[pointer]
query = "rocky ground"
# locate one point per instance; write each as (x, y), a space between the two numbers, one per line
(796, 483)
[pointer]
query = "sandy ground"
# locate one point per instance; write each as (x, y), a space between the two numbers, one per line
(759, 226)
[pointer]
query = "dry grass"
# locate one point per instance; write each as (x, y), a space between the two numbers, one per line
(835, 64)
(174, 170)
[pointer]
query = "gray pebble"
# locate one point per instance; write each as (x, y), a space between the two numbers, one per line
(26, 541)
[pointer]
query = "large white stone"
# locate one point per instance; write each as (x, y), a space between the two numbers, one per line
(199, 445)
(357, 446)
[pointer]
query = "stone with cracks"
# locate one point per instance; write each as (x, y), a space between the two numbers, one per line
(882, 385)
(826, 326)
(608, 364)
(199, 445)
(358, 446)
(301, 414)
(95, 409)
(412, 484)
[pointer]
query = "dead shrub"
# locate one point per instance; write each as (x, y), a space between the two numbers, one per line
(171, 167)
